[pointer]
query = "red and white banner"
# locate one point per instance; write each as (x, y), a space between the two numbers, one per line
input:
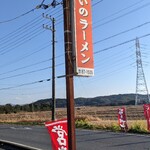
(147, 114)
(122, 119)
(82, 37)
(58, 133)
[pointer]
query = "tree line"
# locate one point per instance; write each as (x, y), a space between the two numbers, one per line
(9, 108)
(46, 104)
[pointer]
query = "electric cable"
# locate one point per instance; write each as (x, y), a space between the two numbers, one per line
(120, 33)
(97, 3)
(119, 11)
(125, 14)
(27, 66)
(25, 84)
(26, 13)
(26, 26)
(21, 74)
(120, 44)
(22, 42)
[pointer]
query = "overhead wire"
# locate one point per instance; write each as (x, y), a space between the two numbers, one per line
(31, 65)
(114, 63)
(116, 54)
(26, 26)
(97, 3)
(109, 74)
(23, 36)
(120, 33)
(25, 84)
(22, 42)
(109, 48)
(27, 66)
(125, 14)
(26, 55)
(9, 20)
(128, 7)
(35, 33)
(24, 14)
(123, 43)
(21, 74)
(59, 16)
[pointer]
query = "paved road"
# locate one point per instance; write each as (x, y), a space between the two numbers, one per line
(86, 140)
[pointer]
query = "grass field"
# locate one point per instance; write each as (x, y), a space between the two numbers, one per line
(88, 117)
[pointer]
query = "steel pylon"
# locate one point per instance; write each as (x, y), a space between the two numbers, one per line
(141, 86)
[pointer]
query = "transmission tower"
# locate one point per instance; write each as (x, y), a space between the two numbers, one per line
(141, 86)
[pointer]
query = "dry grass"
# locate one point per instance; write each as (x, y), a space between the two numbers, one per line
(103, 117)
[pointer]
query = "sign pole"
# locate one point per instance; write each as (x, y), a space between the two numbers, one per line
(69, 74)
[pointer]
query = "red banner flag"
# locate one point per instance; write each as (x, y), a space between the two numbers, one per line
(122, 118)
(58, 133)
(147, 114)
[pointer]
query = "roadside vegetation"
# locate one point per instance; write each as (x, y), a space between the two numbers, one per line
(134, 126)
(95, 118)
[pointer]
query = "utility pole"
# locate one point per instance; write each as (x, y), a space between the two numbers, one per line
(69, 74)
(53, 64)
(141, 86)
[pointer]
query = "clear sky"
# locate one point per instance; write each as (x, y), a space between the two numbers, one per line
(25, 50)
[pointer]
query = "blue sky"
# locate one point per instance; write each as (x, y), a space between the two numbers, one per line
(25, 50)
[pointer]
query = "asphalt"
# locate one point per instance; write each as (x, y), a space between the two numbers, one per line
(38, 137)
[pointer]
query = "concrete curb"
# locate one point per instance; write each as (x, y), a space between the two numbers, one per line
(5, 143)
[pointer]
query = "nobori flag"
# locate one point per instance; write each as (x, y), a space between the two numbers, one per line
(147, 114)
(58, 133)
(122, 118)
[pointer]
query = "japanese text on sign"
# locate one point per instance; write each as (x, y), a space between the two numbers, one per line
(61, 137)
(122, 118)
(83, 38)
(58, 133)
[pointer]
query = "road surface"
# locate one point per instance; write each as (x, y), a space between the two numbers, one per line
(36, 136)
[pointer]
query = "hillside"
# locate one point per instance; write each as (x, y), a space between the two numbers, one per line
(112, 100)
(45, 104)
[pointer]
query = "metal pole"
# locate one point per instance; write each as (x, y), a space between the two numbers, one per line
(53, 70)
(69, 75)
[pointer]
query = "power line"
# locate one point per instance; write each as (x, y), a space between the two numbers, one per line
(25, 84)
(123, 43)
(109, 74)
(28, 67)
(119, 11)
(14, 70)
(19, 40)
(26, 13)
(25, 56)
(117, 62)
(126, 31)
(22, 42)
(23, 39)
(9, 20)
(132, 11)
(115, 55)
(97, 3)
(21, 74)
(7, 88)
(34, 22)
(23, 34)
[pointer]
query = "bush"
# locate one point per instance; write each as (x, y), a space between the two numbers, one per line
(137, 128)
